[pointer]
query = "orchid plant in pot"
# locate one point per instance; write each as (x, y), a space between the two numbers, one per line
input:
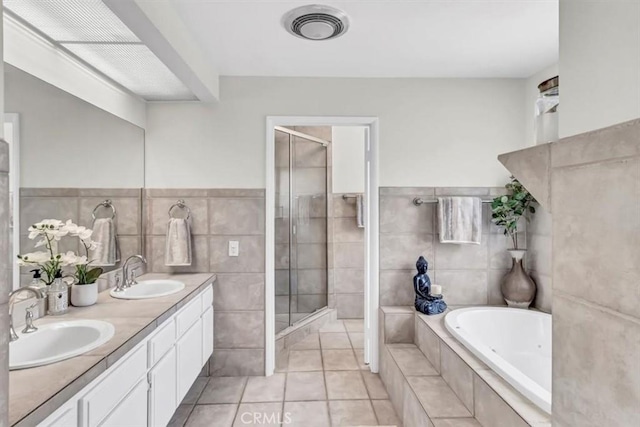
(51, 262)
(518, 289)
(84, 291)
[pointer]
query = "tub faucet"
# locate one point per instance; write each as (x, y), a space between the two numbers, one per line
(39, 294)
(127, 278)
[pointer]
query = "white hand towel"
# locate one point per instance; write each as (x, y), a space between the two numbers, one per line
(178, 244)
(360, 210)
(460, 219)
(104, 233)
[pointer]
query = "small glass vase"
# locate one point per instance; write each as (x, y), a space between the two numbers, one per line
(518, 289)
(84, 295)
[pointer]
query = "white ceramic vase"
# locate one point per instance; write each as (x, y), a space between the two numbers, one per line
(84, 295)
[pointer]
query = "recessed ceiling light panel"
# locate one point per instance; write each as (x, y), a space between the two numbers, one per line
(316, 22)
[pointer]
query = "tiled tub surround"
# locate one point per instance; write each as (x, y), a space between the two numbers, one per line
(435, 382)
(596, 299)
(538, 258)
(468, 274)
(591, 182)
(5, 279)
(77, 204)
(217, 217)
(36, 392)
(348, 259)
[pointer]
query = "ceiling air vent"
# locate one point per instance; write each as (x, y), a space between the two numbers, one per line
(316, 22)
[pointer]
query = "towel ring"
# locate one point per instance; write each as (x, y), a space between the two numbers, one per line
(106, 204)
(180, 204)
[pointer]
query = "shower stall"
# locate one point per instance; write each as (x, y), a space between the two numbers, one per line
(301, 204)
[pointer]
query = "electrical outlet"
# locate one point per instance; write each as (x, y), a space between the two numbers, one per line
(234, 248)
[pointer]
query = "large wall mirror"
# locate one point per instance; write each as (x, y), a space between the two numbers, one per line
(71, 161)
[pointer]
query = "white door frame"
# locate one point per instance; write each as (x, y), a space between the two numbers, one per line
(13, 120)
(371, 231)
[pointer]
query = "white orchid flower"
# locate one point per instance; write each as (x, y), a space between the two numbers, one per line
(42, 242)
(68, 258)
(34, 258)
(71, 227)
(81, 260)
(85, 234)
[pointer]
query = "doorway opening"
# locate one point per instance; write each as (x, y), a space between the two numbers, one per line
(310, 192)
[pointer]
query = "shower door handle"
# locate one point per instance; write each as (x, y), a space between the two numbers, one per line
(295, 229)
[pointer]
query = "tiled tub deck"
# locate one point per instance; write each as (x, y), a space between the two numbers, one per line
(433, 381)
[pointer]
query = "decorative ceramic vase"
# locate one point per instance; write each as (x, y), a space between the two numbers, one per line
(84, 295)
(518, 289)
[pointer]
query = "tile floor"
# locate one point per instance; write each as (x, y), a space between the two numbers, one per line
(322, 383)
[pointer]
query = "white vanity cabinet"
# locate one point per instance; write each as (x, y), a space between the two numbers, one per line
(146, 385)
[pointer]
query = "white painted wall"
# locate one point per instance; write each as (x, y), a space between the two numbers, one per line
(67, 142)
(600, 64)
(433, 132)
(348, 145)
(531, 95)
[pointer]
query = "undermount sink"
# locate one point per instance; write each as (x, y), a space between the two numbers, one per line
(149, 289)
(58, 341)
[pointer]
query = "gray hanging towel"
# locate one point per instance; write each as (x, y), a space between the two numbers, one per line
(178, 244)
(104, 233)
(460, 220)
(360, 210)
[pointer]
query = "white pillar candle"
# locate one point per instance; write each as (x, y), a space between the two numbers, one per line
(436, 290)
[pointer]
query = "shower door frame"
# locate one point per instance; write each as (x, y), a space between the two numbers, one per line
(293, 218)
(371, 291)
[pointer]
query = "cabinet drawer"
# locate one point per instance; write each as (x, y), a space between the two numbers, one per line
(207, 298)
(188, 315)
(162, 341)
(102, 398)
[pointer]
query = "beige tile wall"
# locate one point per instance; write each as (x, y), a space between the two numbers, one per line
(348, 259)
(5, 282)
(538, 260)
(218, 216)
(595, 190)
(77, 204)
(469, 274)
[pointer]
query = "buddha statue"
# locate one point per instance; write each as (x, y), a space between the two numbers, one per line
(425, 302)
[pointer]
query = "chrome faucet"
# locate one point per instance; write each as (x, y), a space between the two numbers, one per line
(39, 294)
(127, 278)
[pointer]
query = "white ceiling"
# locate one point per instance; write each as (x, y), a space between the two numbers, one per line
(392, 38)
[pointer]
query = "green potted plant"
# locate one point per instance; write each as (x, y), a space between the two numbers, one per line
(518, 289)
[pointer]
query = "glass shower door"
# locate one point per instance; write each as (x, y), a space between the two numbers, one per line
(300, 226)
(308, 272)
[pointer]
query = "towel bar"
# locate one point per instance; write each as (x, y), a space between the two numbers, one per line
(418, 201)
(180, 204)
(105, 204)
(349, 196)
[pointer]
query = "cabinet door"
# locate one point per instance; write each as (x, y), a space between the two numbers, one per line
(207, 335)
(162, 397)
(66, 416)
(132, 410)
(189, 355)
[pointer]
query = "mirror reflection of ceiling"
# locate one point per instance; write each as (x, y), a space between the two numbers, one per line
(94, 34)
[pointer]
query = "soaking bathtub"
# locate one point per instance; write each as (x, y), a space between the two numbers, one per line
(515, 343)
